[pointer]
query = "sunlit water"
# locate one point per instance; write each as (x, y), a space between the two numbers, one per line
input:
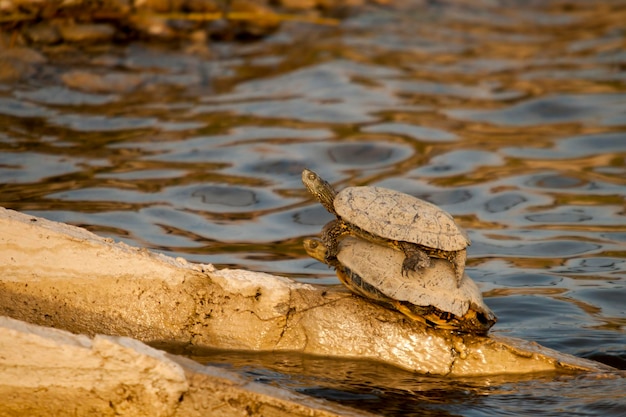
(512, 118)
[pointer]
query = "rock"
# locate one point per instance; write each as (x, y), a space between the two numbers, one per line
(62, 276)
(298, 4)
(87, 32)
(42, 33)
(133, 377)
(45, 371)
(152, 26)
(12, 71)
(26, 55)
(96, 83)
(159, 6)
(260, 20)
(18, 63)
(334, 4)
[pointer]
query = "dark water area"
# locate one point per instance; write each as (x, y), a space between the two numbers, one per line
(509, 115)
(389, 391)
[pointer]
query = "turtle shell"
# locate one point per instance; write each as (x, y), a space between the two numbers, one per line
(434, 286)
(397, 216)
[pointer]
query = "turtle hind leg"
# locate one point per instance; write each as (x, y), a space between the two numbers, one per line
(430, 320)
(414, 258)
(407, 312)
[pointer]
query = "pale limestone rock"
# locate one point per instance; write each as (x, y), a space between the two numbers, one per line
(45, 371)
(35, 357)
(66, 277)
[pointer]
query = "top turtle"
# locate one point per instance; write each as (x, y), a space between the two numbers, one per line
(416, 227)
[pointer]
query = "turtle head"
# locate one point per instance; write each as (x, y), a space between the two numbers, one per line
(321, 189)
(315, 249)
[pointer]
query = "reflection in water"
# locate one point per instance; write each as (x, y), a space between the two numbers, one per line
(226, 196)
(416, 132)
(391, 391)
(598, 110)
(510, 117)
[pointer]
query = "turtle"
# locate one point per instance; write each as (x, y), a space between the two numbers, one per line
(429, 296)
(419, 229)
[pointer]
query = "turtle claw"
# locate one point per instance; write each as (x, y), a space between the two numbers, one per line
(414, 258)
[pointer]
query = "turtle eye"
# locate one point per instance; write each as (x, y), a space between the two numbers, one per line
(312, 176)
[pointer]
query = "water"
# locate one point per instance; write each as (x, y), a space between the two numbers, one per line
(511, 116)
(390, 391)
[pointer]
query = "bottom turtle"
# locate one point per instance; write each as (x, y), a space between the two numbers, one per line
(430, 295)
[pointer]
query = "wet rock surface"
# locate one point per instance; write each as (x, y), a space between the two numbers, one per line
(85, 22)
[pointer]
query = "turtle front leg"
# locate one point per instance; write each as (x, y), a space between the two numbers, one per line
(331, 234)
(414, 258)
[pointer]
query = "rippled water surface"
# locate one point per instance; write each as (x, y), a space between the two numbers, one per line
(511, 116)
